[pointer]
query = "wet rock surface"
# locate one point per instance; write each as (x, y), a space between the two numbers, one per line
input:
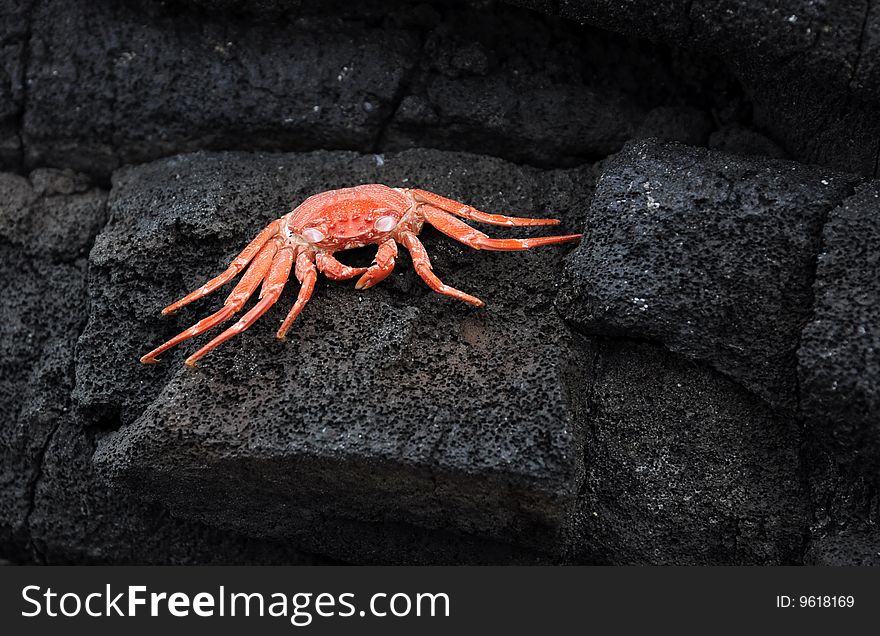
(709, 253)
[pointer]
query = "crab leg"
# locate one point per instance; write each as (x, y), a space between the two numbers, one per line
(236, 300)
(232, 271)
(464, 233)
(422, 265)
(382, 265)
(467, 212)
(272, 288)
(306, 275)
(333, 269)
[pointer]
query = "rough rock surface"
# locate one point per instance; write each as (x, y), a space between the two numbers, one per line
(740, 140)
(685, 467)
(52, 506)
(811, 69)
(395, 404)
(147, 84)
(685, 124)
(546, 445)
(709, 253)
(839, 369)
(845, 494)
(473, 76)
(840, 347)
(150, 81)
(77, 518)
(42, 291)
(14, 26)
(533, 90)
(846, 549)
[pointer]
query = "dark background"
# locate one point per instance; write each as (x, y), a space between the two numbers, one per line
(698, 382)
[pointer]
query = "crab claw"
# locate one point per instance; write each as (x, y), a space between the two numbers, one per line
(382, 265)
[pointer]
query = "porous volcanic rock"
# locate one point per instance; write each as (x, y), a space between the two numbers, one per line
(146, 82)
(684, 466)
(839, 369)
(711, 395)
(709, 253)
(394, 405)
(840, 348)
(42, 313)
(528, 88)
(669, 123)
(151, 80)
(842, 479)
(14, 26)
(78, 518)
(846, 548)
(53, 508)
(810, 69)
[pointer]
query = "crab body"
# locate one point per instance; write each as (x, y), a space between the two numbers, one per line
(305, 239)
(349, 218)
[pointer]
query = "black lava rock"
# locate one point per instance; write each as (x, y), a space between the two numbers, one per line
(77, 517)
(840, 348)
(740, 140)
(669, 123)
(842, 478)
(145, 84)
(710, 254)
(839, 369)
(53, 508)
(393, 405)
(846, 549)
(811, 69)
(14, 26)
(54, 215)
(529, 88)
(684, 466)
(152, 79)
(42, 312)
(712, 398)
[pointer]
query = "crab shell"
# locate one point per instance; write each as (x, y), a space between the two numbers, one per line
(351, 217)
(306, 238)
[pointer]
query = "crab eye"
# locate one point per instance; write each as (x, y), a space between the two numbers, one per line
(313, 235)
(385, 223)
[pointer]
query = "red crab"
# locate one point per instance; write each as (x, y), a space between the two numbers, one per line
(306, 238)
